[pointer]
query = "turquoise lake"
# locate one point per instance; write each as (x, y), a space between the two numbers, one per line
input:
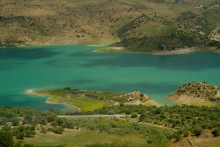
(49, 67)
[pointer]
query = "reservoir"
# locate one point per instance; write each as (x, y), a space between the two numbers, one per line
(79, 67)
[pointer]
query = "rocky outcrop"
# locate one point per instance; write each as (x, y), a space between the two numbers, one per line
(196, 92)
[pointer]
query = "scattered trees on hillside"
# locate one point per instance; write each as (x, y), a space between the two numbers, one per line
(187, 119)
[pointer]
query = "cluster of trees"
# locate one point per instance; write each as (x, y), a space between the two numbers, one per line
(210, 4)
(191, 119)
(22, 131)
(155, 136)
(23, 122)
(6, 140)
(187, 120)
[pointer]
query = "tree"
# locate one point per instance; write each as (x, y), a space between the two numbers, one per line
(6, 139)
(186, 133)
(197, 130)
(57, 130)
(177, 136)
(6, 128)
(216, 131)
(142, 117)
(134, 116)
(15, 121)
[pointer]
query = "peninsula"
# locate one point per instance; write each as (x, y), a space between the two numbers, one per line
(196, 93)
(87, 100)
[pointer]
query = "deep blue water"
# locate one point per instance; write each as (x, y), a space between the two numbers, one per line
(49, 67)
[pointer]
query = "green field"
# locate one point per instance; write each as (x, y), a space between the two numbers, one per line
(212, 142)
(82, 137)
(84, 99)
(83, 103)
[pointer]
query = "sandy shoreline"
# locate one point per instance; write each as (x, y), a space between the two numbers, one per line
(178, 51)
(165, 52)
(122, 49)
(32, 92)
(175, 52)
(188, 100)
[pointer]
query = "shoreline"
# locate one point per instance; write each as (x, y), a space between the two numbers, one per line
(187, 100)
(32, 92)
(180, 51)
(148, 101)
(176, 52)
(107, 49)
(156, 53)
(16, 45)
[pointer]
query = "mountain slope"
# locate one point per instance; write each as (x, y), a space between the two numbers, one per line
(141, 25)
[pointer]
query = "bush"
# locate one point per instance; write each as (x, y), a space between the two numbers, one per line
(58, 130)
(134, 116)
(142, 117)
(216, 131)
(6, 139)
(186, 133)
(149, 141)
(197, 130)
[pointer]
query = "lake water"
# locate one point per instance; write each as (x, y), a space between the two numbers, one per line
(49, 67)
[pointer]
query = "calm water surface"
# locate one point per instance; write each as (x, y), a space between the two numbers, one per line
(49, 67)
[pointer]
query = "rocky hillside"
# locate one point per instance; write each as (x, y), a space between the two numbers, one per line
(140, 25)
(196, 93)
(136, 98)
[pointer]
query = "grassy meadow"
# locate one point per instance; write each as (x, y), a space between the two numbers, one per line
(84, 104)
(82, 137)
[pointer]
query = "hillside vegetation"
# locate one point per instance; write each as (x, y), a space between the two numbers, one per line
(141, 125)
(140, 25)
(154, 126)
(24, 127)
(198, 93)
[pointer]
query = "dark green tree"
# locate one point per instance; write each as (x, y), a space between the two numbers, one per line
(6, 139)
(197, 130)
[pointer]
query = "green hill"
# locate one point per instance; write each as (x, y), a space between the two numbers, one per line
(197, 93)
(141, 25)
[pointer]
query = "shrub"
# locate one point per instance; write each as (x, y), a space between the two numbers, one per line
(216, 131)
(197, 130)
(186, 133)
(134, 116)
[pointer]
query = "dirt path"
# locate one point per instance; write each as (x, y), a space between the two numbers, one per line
(159, 126)
(110, 116)
(91, 116)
